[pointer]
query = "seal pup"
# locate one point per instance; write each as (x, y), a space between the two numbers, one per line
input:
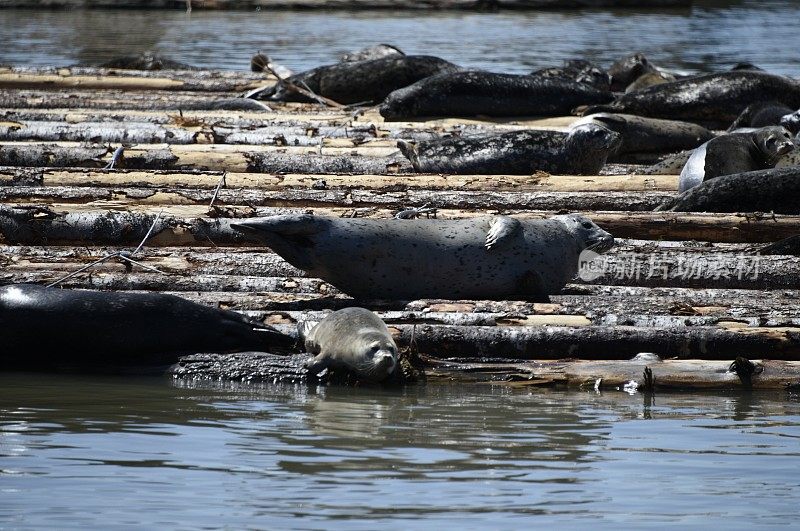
(761, 114)
(354, 339)
(471, 93)
(717, 98)
(357, 82)
(46, 327)
(773, 190)
(735, 153)
(649, 135)
(378, 51)
(582, 151)
(478, 258)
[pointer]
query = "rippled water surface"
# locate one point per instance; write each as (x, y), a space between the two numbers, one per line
(710, 36)
(89, 452)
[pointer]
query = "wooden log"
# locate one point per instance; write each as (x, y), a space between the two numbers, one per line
(66, 80)
(232, 76)
(601, 342)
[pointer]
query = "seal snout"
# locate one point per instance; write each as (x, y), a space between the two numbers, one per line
(384, 361)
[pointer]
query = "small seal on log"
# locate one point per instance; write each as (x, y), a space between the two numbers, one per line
(357, 82)
(717, 98)
(774, 190)
(379, 51)
(479, 258)
(735, 153)
(650, 135)
(628, 69)
(354, 339)
(583, 151)
(485, 93)
(51, 327)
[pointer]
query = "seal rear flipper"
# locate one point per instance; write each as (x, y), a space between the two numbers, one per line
(531, 288)
(501, 229)
(288, 235)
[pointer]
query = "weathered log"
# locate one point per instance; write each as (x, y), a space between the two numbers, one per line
(601, 342)
(66, 79)
(210, 180)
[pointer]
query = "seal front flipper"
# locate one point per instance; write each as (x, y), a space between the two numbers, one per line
(290, 235)
(501, 229)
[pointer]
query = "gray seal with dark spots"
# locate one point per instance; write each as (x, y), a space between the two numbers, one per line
(475, 93)
(354, 339)
(582, 151)
(50, 327)
(735, 153)
(628, 69)
(578, 70)
(761, 114)
(379, 51)
(479, 258)
(717, 98)
(359, 81)
(774, 190)
(650, 135)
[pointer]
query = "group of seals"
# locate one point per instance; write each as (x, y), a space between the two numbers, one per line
(583, 151)
(480, 258)
(44, 326)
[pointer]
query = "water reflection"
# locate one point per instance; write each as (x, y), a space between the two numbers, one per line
(226, 454)
(708, 37)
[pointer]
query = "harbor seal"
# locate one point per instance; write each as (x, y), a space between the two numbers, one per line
(50, 327)
(628, 69)
(359, 81)
(650, 135)
(791, 122)
(378, 51)
(761, 114)
(471, 93)
(146, 61)
(735, 153)
(478, 258)
(649, 79)
(773, 190)
(716, 98)
(580, 71)
(582, 151)
(354, 339)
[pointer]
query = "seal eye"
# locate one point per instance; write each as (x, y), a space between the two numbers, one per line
(586, 224)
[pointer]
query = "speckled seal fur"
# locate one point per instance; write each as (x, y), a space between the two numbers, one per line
(354, 339)
(735, 153)
(582, 151)
(479, 258)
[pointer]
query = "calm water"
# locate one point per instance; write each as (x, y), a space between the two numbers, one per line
(89, 452)
(712, 35)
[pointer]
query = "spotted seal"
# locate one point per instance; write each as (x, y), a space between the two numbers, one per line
(773, 190)
(582, 151)
(735, 153)
(577, 70)
(471, 93)
(650, 135)
(46, 327)
(625, 71)
(761, 114)
(354, 339)
(717, 98)
(478, 258)
(358, 81)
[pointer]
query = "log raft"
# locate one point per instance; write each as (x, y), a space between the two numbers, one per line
(690, 287)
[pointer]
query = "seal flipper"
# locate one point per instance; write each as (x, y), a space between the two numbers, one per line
(409, 151)
(531, 288)
(317, 364)
(501, 229)
(305, 331)
(288, 235)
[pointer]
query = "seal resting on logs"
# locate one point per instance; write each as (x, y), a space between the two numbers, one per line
(354, 339)
(578, 70)
(478, 258)
(735, 153)
(472, 93)
(49, 327)
(718, 98)
(583, 151)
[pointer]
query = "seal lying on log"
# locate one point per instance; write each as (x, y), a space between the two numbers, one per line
(715, 98)
(485, 93)
(50, 327)
(583, 151)
(649, 135)
(357, 82)
(354, 339)
(480, 258)
(773, 190)
(578, 70)
(735, 153)
(146, 61)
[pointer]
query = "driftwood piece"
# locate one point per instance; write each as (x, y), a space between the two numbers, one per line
(66, 79)
(350, 4)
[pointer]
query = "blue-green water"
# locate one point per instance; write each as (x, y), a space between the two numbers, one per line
(713, 35)
(102, 452)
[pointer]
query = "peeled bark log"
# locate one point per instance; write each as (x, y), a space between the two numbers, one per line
(66, 80)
